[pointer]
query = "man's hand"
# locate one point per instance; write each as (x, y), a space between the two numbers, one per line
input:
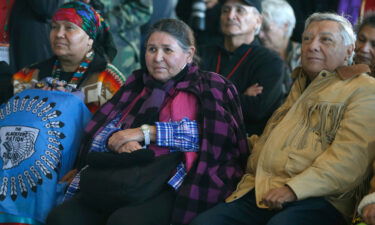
(254, 90)
(274, 198)
(129, 147)
(119, 138)
(368, 214)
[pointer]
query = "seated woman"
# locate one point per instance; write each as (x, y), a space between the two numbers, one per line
(162, 108)
(365, 44)
(40, 130)
(82, 46)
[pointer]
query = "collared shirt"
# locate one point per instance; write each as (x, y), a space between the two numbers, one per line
(178, 136)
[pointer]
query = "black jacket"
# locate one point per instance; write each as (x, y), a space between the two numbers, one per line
(29, 26)
(6, 88)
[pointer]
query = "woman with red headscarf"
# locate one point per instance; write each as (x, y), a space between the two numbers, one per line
(82, 47)
(40, 136)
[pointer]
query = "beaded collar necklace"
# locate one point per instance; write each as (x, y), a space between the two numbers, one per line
(78, 74)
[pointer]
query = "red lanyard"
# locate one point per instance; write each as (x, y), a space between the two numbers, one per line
(235, 67)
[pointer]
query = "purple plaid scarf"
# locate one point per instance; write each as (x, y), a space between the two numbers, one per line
(147, 108)
(223, 147)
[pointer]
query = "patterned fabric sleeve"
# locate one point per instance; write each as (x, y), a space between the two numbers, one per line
(112, 79)
(23, 79)
(179, 136)
(100, 142)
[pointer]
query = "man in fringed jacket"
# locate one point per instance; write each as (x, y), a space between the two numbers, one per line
(316, 151)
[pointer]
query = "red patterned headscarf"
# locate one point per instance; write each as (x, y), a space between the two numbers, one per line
(89, 20)
(82, 15)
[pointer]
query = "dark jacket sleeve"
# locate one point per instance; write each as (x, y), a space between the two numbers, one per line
(183, 10)
(44, 8)
(269, 75)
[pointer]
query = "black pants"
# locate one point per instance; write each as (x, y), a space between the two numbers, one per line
(244, 211)
(155, 211)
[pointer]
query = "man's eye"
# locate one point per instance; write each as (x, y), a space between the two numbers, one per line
(225, 10)
(305, 38)
(327, 39)
(241, 11)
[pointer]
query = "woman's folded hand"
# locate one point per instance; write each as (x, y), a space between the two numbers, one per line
(129, 147)
(119, 138)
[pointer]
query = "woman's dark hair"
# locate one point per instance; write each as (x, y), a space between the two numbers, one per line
(177, 29)
(368, 20)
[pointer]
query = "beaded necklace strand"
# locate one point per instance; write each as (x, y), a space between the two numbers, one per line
(78, 74)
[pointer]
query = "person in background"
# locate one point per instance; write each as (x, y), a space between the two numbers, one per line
(365, 44)
(171, 107)
(277, 28)
(125, 19)
(28, 27)
(304, 169)
(203, 16)
(241, 59)
(365, 53)
(80, 58)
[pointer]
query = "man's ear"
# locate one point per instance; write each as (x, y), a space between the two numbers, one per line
(349, 52)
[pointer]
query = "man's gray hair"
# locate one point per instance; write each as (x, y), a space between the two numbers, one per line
(279, 12)
(256, 12)
(346, 28)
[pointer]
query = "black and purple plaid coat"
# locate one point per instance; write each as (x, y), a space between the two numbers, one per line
(223, 147)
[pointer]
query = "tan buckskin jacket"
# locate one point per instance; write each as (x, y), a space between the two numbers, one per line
(320, 142)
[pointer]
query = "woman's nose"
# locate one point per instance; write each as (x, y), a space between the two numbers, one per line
(158, 57)
(60, 32)
(365, 47)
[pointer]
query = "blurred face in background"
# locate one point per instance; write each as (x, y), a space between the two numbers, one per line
(165, 58)
(273, 35)
(238, 18)
(365, 46)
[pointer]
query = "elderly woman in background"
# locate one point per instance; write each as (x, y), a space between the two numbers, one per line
(365, 44)
(170, 107)
(365, 54)
(277, 28)
(82, 47)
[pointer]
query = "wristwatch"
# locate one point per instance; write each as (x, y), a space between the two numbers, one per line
(146, 133)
